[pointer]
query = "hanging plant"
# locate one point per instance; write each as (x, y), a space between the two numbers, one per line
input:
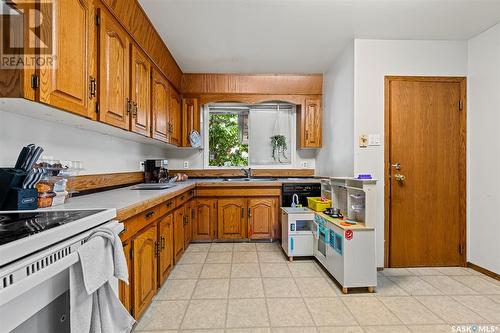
(278, 143)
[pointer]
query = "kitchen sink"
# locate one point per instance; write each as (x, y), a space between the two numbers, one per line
(249, 179)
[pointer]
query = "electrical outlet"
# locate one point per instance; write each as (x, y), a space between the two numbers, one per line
(304, 164)
(186, 164)
(374, 140)
(141, 166)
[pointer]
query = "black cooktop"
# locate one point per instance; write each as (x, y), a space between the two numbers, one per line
(14, 226)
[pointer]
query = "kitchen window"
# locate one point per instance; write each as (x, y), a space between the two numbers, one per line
(250, 135)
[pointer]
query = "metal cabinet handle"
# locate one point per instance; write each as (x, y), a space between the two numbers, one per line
(162, 242)
(169, 203)
(249, 212)
(149, 214)
(123, 231)
(134, 110)
(129, 106)
(242, 212)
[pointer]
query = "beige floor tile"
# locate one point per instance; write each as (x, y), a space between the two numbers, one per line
(304, 269)
(288, 312)
(482, 286)
(370, 311)
(211, 289)
(221, 247)
(448, 285)
(414, 285)
(496, 298)
(329, 312)
(341, 329)
(430, 328)
(315, 287)
(249, 330)
(191, 271)
(310, 329)
(217, 330)
(457, 271)
(275, 270)
(386, 329)
(246, 288)
(245, 257)
(425, 271)
(272, 256)
(483, 305)
(247, 313)
(450, 310)
(205, 314)
(386, 287)
(396, 272)
(268, 247)
(193, 258)
(244, 247)
(280, 287)
(155, 331)
(163, 315)
(199, 247)
(410, 311)
(176, 290)
(219, 257)
(245, 270)
(215, 271)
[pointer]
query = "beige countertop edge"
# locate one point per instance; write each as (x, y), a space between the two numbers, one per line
(336, 222)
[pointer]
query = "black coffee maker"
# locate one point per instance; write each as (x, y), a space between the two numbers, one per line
(156, 171)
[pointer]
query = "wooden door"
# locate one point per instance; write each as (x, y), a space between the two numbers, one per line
(231, 217)
(312, 129)
(145, 266)
(205, 222)
(160, 106)
(166, 242)
(425, 168)
(178, 233)
(124, 290)
(140, 92)
(190, 119)
(175, 117)
(262, 217)
(67, 83)
(114, 80)
(187, 223)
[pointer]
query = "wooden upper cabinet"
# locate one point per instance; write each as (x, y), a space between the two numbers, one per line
(140, 92)
(124, 290)
(166, 243)
(145, 268)
(114, 80)
(205, 219)
(160, 103)
(67, 84)
(231, 218)
(190, 119)
(175, 117)
(311, 124)
(262, 217)
(178, 233)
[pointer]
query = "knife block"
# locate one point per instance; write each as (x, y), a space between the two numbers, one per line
(10, 179)
(21, 199)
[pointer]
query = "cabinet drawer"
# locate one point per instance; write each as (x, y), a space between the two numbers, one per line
(149, 215)
(167, 206)
(183, 198)
(130, 227)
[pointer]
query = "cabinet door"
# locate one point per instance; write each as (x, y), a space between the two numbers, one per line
(160, 106)
(66, 83)
(231, 217)
(190, 119)
(178, 233)
(140, 92)
(124, 290)
(145, 266)
(114, 106)
(205, 221)
(187, 223)
(311, 118)
(166, 243)
(175, 117)
(262, 217)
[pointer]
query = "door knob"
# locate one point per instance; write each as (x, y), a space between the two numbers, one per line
(399, 177)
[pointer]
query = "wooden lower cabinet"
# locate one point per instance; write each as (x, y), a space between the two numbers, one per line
(166, 245)
(124, 290)
(178, 233)
(144, 268)
(231, 218)
(262, 217)
(205, 219)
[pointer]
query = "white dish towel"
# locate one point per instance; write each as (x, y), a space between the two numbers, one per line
(95, 307)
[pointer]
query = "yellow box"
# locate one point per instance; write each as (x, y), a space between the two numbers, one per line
(316, 204)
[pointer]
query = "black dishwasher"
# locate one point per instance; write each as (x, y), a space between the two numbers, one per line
(303, 190)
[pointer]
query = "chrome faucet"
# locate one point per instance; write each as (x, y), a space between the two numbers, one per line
(248, 172)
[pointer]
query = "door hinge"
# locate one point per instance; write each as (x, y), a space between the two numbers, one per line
(97, 108)
(97, 19)
(35, 81)
(92, 86)
(461, 248)
(460, 105)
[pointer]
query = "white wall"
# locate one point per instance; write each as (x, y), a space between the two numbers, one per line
(336, 158)
(99, 153)
(484, 150)
(374, 59)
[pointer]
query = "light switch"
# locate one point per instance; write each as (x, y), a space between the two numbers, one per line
(374, 140)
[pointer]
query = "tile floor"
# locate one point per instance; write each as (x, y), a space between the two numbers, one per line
(250, 287)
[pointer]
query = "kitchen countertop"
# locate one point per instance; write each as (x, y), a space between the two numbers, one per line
(337, 222)
(129, 202)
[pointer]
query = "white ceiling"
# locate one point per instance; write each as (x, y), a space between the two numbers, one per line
(302, 36)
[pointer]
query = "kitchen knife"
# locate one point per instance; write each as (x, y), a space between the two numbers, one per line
(21, 159)
(29, 178)
(34, 158)
(31, 149)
